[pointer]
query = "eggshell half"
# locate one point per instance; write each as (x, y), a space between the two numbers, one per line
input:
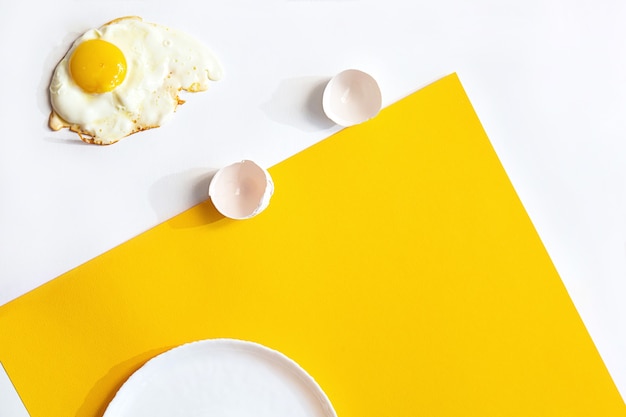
(351, 97)
(241, 190)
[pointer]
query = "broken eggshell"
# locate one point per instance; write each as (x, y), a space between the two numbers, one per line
(241, 190)
(351, 97)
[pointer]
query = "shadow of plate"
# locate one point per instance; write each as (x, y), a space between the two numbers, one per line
(103, 392)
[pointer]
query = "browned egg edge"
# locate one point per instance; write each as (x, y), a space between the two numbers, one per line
(55, 122)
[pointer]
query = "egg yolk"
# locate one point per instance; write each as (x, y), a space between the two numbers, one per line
(97, 66)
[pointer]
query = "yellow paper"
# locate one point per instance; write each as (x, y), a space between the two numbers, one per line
(395, 263)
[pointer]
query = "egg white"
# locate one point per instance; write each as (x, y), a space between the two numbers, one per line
(160, 62)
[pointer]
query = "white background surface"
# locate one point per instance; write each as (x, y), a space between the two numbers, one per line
(547, 79)
(10, 402)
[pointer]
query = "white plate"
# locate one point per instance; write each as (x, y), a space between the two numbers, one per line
(220, 377)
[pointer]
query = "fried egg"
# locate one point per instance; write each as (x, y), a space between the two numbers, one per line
(125, 77)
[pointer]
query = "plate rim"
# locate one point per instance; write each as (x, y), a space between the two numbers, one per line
(258, 349)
